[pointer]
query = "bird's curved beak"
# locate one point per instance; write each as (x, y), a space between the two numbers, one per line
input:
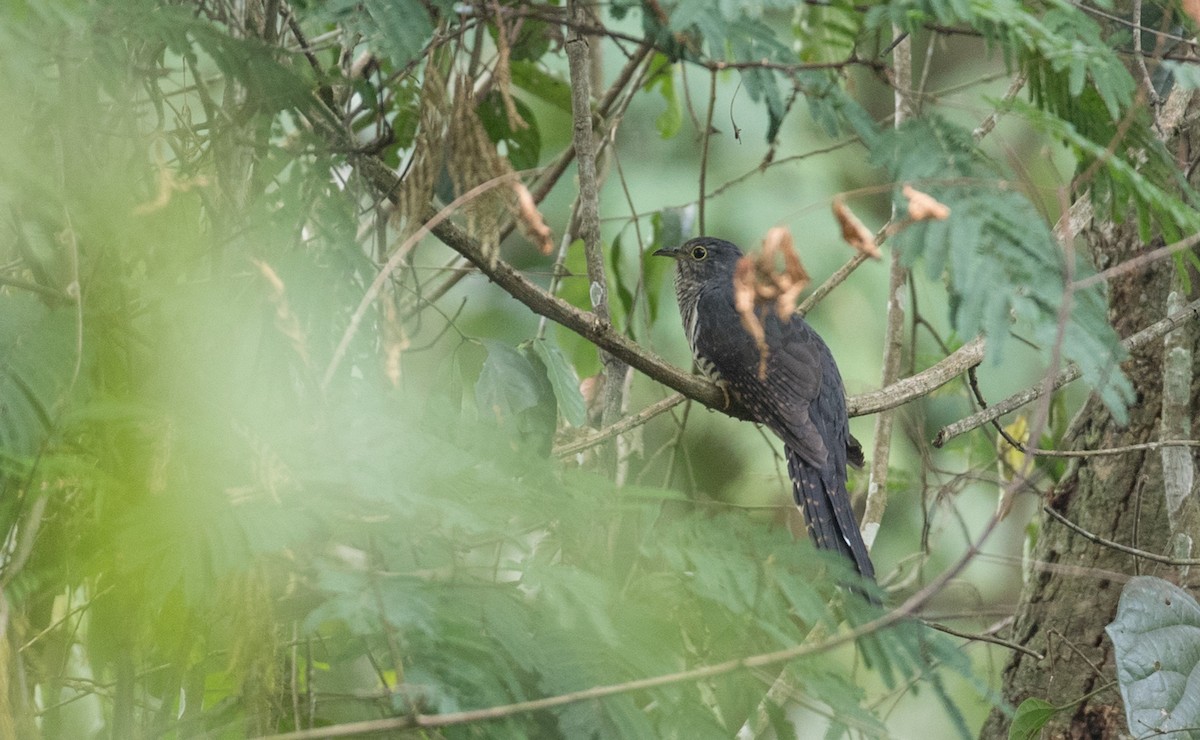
(672, 252)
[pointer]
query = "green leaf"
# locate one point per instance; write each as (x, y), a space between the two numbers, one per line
(533, 79)
(37, 357)
(662, 76)
(1156, 639)
(1000, 256)
(398, 28)
(564, 380)
(780, 724)
(507, 385)
(1030, 718)
(523, 146)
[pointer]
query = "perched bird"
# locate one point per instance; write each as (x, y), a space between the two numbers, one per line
(799, 396)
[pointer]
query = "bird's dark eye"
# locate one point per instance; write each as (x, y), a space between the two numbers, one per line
(699, 253)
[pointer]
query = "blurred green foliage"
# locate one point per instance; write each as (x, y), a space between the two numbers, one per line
(214, 528)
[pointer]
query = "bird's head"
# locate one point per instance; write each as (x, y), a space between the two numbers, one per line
(704, 258)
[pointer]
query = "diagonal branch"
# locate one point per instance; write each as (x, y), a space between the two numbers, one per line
(604, 336)
(1071, 372)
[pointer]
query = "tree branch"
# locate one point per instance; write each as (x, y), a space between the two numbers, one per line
(1017, 400)
(602, 334)
(1117, 545)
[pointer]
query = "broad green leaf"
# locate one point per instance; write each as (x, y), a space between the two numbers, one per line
(523, 144)
(564, 380)
(1156, 641)
(399, 28)
(532, 78)
(625, 285)
(670, 120)
(507, 385)
(1030, 718)
(37, 359)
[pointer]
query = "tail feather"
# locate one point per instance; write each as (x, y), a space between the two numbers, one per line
(828, 514)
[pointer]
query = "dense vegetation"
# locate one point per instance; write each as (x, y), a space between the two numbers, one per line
(279, 451)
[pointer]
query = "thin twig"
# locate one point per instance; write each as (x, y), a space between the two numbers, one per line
(1136, 263)
(837, 278)
(1141, 447)
(394, 261)
(893, 338)
(1117, 545)
(1068, 374)
(620, 427)
(983, 637)
(705, 136)
(985, 127)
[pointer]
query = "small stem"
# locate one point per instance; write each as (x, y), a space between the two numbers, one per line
(893, 340)
(705, 136)
(616, 372)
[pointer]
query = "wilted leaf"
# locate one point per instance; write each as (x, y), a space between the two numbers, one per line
(1192, 8)
(757, 281)
(1156, 637)
(532, 223)
(923, 207)
(744, 296)
(854, 231)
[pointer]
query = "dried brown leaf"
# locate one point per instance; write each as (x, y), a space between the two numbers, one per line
(924, 207)
(285, 320)
(745, 298)
(533, 224)
(395, 339)
(789, 284)
(854, 231)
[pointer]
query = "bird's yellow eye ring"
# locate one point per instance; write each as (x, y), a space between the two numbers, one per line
(699, 253)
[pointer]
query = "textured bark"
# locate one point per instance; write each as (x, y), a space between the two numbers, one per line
(1073, 592)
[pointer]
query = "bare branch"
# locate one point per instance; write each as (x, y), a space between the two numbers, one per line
(984, 637)
(1017, 400)
(1117, 545)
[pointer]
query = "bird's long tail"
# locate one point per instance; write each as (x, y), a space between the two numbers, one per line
(828, 514)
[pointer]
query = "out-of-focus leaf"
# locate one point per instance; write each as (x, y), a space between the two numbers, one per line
(507, 385)
(564, 380)
(671, 227)
(1156, 640)
(780, 724)
(532, 40)
(1185, 74)
(523, 146)
(670, 120)
(37, 357)
(532, 78)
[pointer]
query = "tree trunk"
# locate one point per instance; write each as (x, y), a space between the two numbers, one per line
(1073, 591)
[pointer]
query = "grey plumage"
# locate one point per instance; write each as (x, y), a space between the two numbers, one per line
(801, 398)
